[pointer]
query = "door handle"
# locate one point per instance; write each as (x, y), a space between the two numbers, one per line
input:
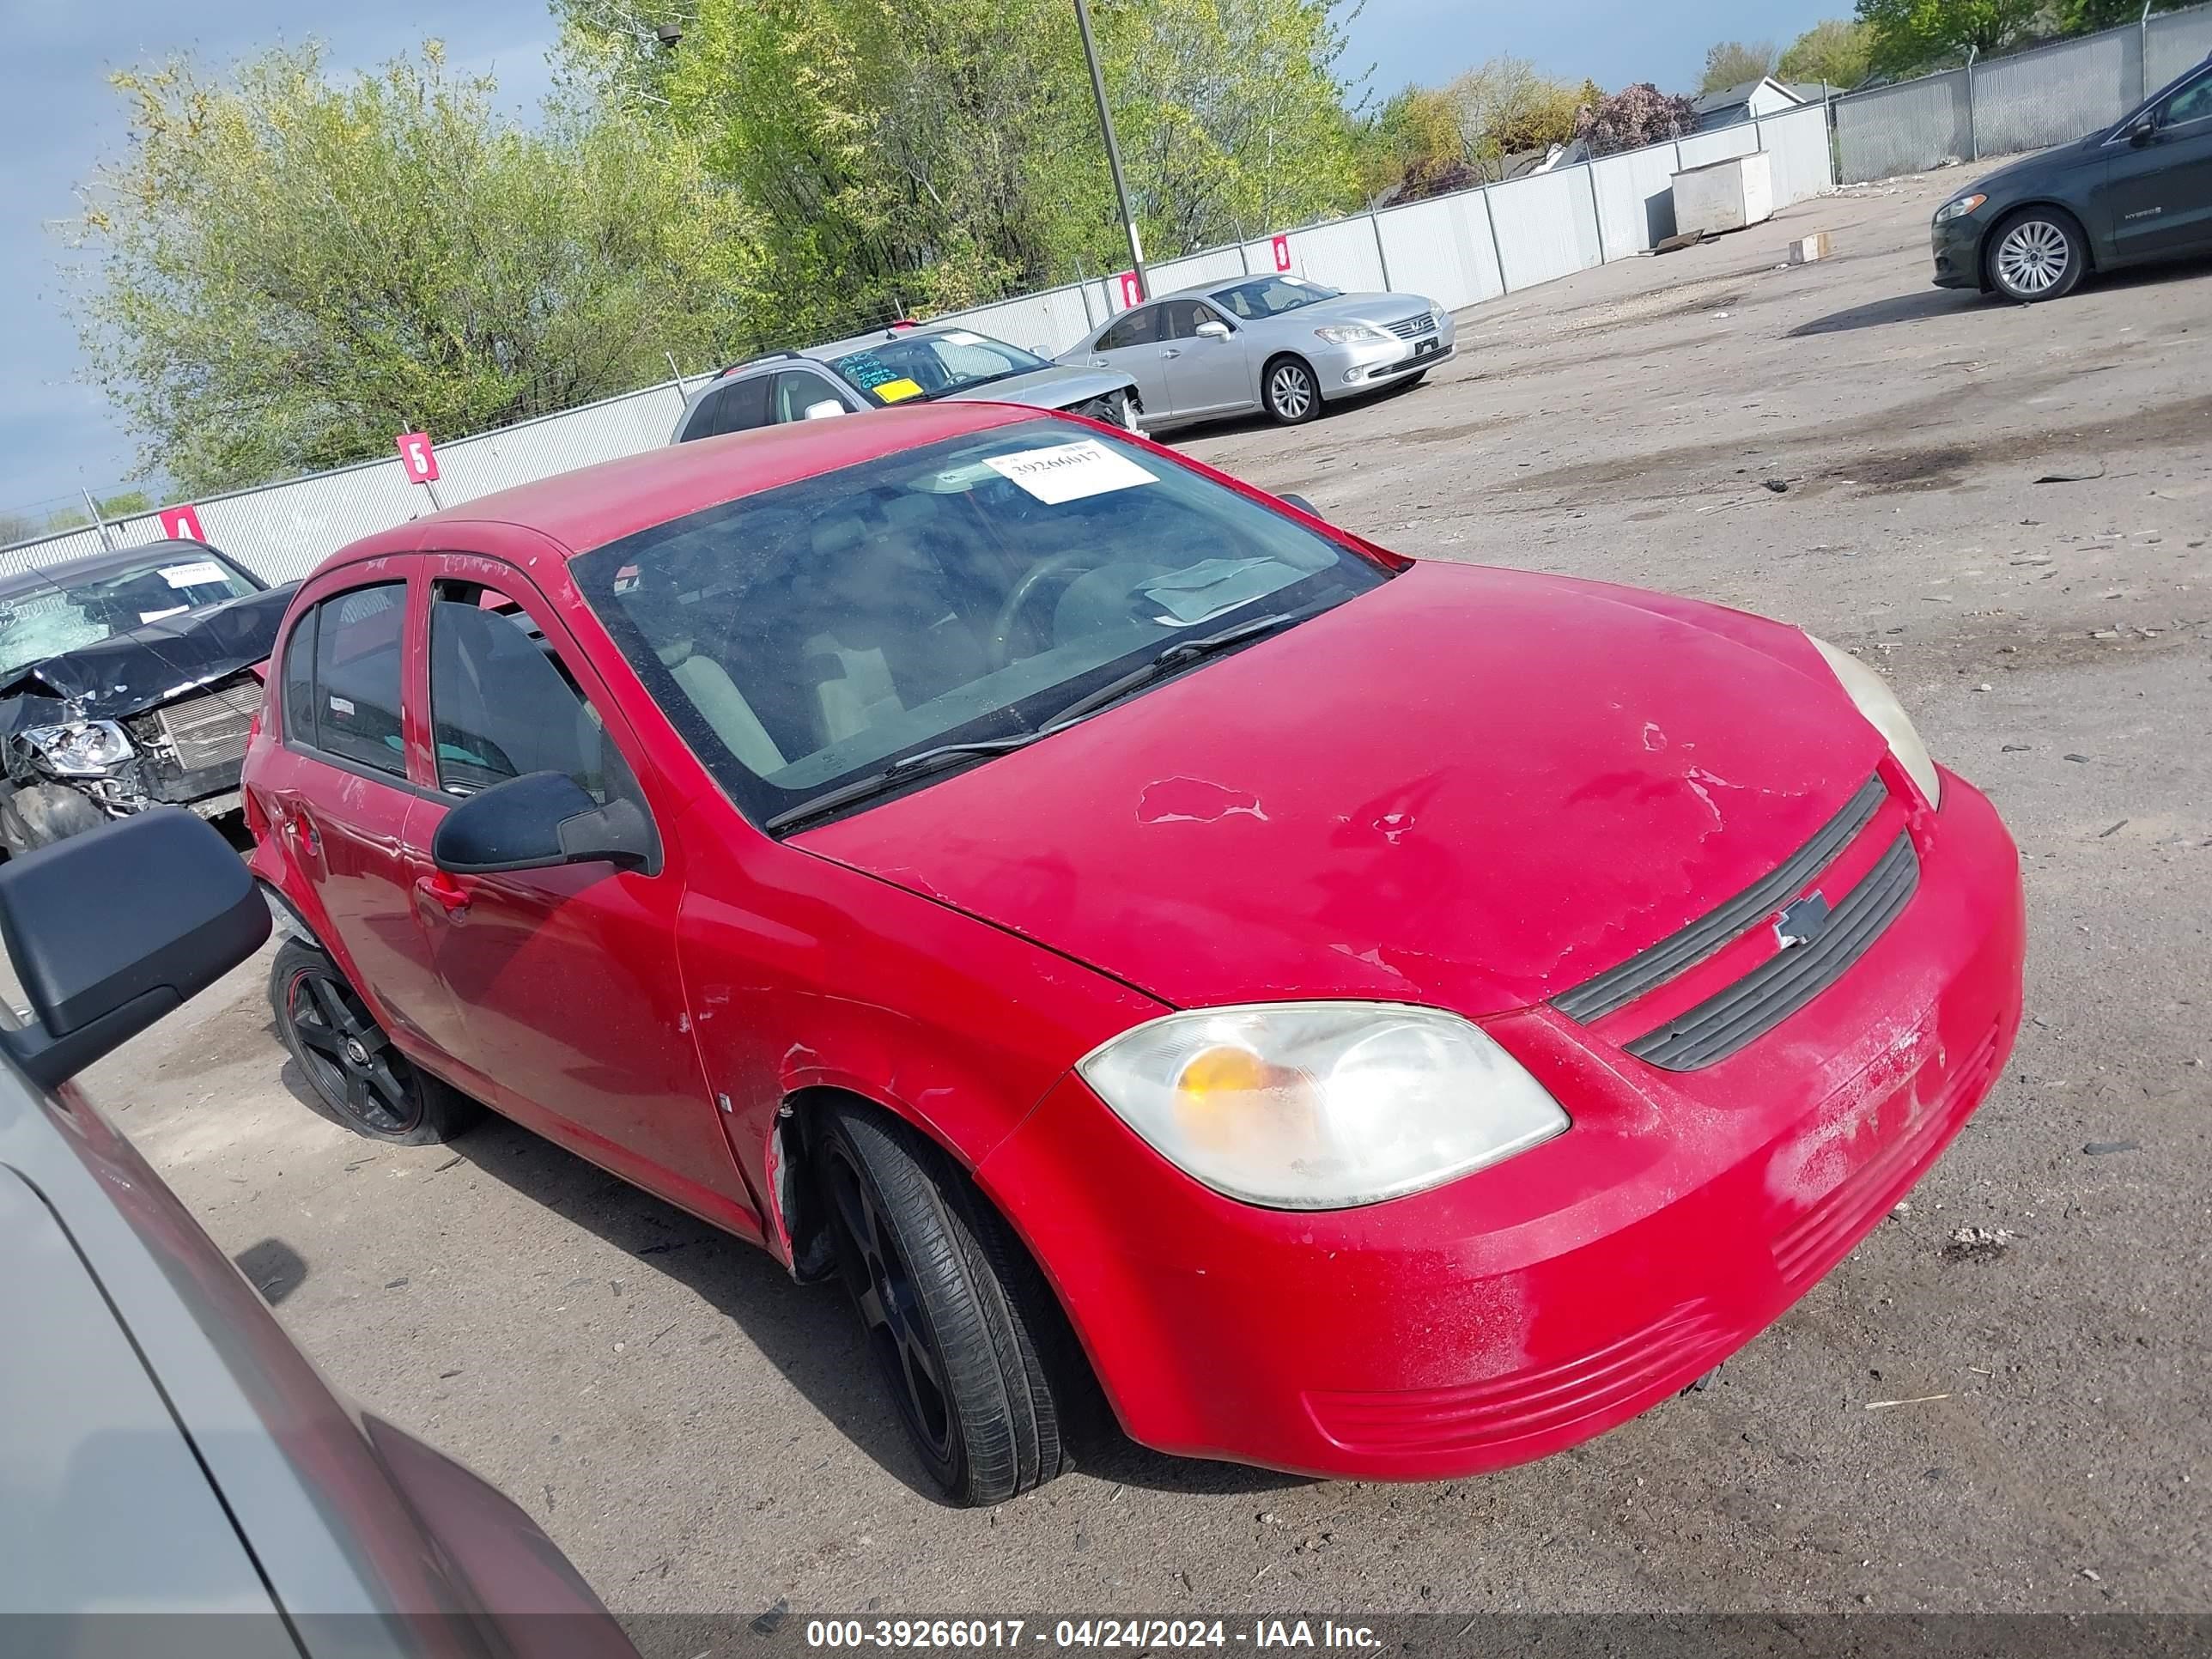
(443, 891)
(1169, 351)
(1100, 363)
(298, 826)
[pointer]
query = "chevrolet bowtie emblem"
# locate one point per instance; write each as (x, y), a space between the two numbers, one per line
(1802, 922)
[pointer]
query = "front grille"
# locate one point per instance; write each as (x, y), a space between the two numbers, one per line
(1648, 969)
(209, 730)
(1783, 984)
(1407, 328)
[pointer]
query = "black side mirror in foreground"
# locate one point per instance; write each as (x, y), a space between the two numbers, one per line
(2144, 132)
(112, 929)
(1302, 504)
(536, 822)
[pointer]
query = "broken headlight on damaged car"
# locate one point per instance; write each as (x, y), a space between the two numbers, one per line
(1321, 1105)
(83, 749)
(1878, 705)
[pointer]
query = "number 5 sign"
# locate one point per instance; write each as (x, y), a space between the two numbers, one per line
(417, 457)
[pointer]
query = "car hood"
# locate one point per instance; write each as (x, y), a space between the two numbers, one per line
(1357, 308)
(1469, 787)
(128, 673)
(1056, 387)
(2037, 172)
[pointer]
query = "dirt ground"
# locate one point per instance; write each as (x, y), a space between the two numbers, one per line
(702, 1436)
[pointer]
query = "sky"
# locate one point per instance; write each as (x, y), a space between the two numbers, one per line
(59, 118)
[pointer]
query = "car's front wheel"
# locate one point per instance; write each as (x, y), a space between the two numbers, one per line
(358, 1076)
(2036, 254)
(1291, 392)
(963, 1330)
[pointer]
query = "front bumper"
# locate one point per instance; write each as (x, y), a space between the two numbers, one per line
(1957, 247)
(1528, 1307)
(1353, 371)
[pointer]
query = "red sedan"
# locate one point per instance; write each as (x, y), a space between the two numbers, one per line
(1375, 1018)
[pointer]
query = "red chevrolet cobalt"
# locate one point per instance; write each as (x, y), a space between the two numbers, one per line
(1376, 1017)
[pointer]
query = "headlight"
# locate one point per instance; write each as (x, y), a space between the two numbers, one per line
(85, 749)
(1958, 209)
(1886, 715)
(1351, 334)
(1321, 1105)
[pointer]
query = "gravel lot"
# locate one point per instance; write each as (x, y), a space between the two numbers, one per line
(702, 1436)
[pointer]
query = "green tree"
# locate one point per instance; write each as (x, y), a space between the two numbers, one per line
(1503, 108)
(2087, 16)
(128, 504)
(1910, 36)
(1410, 142)
(1838, 52)
(1732, 63)
(285, 271)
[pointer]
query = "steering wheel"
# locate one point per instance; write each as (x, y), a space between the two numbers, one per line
(1000, 651)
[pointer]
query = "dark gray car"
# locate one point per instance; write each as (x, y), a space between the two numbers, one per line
(2139, 190)
(164, 1448)
(899, 365)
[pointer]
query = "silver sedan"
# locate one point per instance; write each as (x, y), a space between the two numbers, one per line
(1278, 344)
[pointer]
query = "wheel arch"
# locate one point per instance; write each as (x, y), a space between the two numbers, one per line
(1987, 250)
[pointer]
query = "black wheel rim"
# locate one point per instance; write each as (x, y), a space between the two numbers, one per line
(347, 1057)
(882, 1289)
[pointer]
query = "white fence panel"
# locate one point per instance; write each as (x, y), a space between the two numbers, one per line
(2179, 41)
(537, 449)
(1721, 145)
(1212, 266)
(1804, 161)
(1046, 323)
(2057, 95)
(1635, 199)
(1342, 254)
(1441, 248)
(56, 550)
(281, 534)
(1907, 128)
(1546, 227)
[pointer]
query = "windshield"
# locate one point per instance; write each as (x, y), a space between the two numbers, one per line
(932, 365)
(971, 590)
(1271, 296)
(66, 614)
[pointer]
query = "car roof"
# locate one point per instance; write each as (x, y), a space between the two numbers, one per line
(595, 505)
(96, 564)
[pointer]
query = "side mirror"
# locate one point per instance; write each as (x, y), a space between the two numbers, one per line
(826, 410)
(2144, 132)
(537, 822)
(1213, 330)
(113, 928)
(1302, 504)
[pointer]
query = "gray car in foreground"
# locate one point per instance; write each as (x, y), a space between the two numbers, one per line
(896, 365)
(164, 1448)
(1278, 344)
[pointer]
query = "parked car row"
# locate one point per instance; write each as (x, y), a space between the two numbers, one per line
(1361, 1016)
(1278, 345)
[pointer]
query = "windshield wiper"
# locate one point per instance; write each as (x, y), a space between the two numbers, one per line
(1179, 655)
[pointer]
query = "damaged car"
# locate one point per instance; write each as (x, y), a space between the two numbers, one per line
(1371, 1016)
(128, 680)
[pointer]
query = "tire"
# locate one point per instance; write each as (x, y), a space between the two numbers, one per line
(969, 1339)
(1289, 392)
(2036, 254)
(40, 814)
(360, 1080)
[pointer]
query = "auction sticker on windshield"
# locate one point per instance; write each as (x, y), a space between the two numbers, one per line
(195, 575)
(1069, 472)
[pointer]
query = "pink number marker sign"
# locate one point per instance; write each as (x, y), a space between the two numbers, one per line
(417, 459)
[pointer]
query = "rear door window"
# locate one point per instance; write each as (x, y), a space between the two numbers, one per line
(357, 649)
(1140, 327)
